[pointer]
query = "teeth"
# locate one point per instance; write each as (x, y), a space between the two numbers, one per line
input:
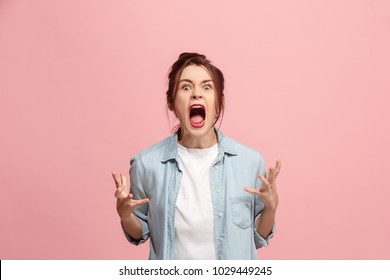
(197, 106)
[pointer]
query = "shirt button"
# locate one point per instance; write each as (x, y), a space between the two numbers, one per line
(221, 238)
(218, 190)
(220, 214)
(217, 167)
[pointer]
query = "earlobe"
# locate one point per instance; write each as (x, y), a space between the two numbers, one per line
(172, 109)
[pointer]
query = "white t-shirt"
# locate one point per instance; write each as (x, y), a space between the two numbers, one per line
(194, 223)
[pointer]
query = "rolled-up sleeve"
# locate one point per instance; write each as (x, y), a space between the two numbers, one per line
(138, 192)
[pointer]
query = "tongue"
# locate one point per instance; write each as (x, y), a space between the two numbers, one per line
(197, 119)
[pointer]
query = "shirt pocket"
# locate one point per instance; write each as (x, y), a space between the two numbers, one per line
(242, 211)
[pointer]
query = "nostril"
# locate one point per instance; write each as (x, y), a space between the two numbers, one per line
(196, 94)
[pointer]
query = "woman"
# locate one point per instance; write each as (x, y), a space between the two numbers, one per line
(197, 193)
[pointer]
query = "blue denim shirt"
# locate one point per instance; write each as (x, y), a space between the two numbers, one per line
(156, 174)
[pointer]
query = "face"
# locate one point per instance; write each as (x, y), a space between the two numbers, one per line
(195, 104)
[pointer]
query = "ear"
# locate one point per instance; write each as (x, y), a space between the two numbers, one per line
(172, 109)
(219, 109)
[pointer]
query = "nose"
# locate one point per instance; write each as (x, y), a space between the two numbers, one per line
(197, 94)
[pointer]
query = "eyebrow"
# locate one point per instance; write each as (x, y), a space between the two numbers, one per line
(189, 81)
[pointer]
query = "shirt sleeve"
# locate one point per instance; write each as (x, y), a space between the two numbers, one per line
(141, 212)
(259, 206)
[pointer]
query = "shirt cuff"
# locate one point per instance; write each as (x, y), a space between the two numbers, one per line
(145, 234)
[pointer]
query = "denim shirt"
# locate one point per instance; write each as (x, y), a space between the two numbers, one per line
(156, 174)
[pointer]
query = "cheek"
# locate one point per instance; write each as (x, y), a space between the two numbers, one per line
(179, 106)
(213, 102)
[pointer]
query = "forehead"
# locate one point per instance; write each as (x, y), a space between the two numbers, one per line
(195, 73)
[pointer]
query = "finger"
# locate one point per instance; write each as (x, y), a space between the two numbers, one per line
(265, 183)
(274, 174)
(123, 180)
(270, 176)
(277, 168)
(140, 202)
(251, 190)
(117, 179)
(119, 194)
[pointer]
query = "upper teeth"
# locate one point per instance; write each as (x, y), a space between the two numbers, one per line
(196, 106)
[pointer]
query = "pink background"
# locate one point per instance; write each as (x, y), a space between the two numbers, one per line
(82, 88)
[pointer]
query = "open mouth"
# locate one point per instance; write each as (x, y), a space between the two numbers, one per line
(197, 115)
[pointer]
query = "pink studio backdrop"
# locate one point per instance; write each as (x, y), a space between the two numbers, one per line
(82, 87)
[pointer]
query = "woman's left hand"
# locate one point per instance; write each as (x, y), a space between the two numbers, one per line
(268, 192)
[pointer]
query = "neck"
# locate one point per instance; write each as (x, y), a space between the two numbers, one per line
(194, 142)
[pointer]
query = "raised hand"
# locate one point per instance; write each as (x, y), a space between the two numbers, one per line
(268, 192)
(125, 203)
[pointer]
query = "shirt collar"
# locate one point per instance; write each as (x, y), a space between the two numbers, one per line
(170, 150)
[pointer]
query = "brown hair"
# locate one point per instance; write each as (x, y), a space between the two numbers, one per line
(183, 61)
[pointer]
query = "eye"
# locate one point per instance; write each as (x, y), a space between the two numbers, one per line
(186, 87)
(208, 87)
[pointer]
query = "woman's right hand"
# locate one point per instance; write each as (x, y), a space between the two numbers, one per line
(125, 203)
